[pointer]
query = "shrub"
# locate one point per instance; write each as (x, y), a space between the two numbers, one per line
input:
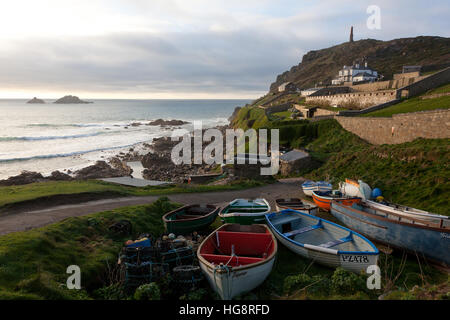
(346, 282)
(148, 291)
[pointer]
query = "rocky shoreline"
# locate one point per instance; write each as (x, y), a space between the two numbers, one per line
(156, 160)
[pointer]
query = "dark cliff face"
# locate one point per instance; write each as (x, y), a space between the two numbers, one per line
(387, 57)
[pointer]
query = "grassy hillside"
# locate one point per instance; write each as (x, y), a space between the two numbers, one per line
(420, 103)
(387, 57)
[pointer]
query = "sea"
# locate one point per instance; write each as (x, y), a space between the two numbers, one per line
(48, 137)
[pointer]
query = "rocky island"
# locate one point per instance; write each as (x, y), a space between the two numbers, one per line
(36, 100)
(71, 100)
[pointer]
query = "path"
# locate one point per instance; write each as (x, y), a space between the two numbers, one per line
(284, 188)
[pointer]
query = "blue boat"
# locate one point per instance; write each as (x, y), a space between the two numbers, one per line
(422, 237)
(310, 186)
(322, 241)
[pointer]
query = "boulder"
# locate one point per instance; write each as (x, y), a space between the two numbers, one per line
(59, 176)
(99, 170)
(161, 122)
(25, 177)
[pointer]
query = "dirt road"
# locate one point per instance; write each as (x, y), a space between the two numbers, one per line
(284, 188)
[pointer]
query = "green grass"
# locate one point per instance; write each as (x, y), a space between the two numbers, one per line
(416, 104)
(33, 263)
(13, 195)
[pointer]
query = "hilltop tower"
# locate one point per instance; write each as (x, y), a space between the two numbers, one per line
(351, 34)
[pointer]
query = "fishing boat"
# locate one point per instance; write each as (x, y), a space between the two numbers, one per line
(237, 258)
(296, 204)
(323, 199)
(361, 189)
(309, 186)
(426, 238)
(408, 211)
(322, 241)
(190, 218)
(245, 211)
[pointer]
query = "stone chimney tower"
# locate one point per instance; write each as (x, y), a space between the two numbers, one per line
(351, 34)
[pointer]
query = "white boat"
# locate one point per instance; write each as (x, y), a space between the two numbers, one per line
(323, 241)
(237, 258)
(363, 190)
(309, 186)
(297, 205)
(409, 212)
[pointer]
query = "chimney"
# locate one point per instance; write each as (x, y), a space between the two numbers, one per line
(351, 34)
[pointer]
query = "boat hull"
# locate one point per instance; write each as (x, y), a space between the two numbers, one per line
(243, 217)
(324, 202)
(308, 188)
(189, 225)
(352, 261)
(237, 258)
(231, 284)
(433, 243)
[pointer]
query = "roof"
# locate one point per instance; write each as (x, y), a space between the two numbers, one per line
(364, 74)
(311, 89)
(293, 155)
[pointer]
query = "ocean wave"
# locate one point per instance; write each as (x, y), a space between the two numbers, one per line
(69, 154)
(41, 138)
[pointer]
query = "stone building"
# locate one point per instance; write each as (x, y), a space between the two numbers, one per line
(287, 87)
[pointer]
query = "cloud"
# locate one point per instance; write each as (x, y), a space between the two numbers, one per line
(177, 48)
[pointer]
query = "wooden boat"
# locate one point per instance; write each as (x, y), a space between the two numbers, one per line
(409, 212)
(323, 199)
(323, 241)
(309, 186)
(297, 205)
(420, 236)
(361, 189)
(237, 258)
(245, 211)
(190, 218)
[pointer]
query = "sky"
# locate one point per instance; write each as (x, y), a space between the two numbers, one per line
(183, 49)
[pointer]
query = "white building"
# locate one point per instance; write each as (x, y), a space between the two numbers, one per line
(355, 73)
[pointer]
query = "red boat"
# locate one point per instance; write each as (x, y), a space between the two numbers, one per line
(323, 199)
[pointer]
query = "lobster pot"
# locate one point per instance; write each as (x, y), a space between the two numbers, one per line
(146, 272)
(178, 256)
(138, 255)
(187, 276)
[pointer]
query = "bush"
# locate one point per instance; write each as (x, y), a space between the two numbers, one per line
(296, 282)
(346, 282)
(199, 294)
(148, 291)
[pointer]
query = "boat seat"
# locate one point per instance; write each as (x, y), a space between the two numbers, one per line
(303, 230)
(337, 242)
(233, 262)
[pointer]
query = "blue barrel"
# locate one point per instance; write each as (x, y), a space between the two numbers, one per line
(376, 193)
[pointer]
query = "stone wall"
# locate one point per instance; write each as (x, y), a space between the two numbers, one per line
(398, 76)
(364, 99)
(399, 128)
(427, 83)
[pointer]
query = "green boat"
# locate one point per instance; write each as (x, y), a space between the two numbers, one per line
(245, 211)
(190, 218)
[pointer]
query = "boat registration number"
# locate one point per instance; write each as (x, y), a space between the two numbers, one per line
(354, 259)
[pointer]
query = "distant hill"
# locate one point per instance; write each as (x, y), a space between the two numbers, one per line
(387, 57)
